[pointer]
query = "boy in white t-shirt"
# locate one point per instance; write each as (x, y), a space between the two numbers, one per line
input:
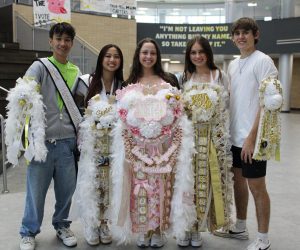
(245, 75)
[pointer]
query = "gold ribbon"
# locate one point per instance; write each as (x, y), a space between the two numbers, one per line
(202, 176)
(277, 153)
(216, 185)
(26, 127)
(268, 137)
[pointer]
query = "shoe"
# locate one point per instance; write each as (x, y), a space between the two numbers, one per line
(105, 235)
(143, 240)
(259, 245)
(66, 236)
(184, 242)
(27, 243)
(196, 239)
(91, 236)
(232, 233)
(157, 240)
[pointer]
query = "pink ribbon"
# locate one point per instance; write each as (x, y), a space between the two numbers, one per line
(153, 224)
(153, 150)
(142, 183)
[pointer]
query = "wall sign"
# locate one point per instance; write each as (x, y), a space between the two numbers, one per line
(51, 11)
(277, 36)
(119, 7)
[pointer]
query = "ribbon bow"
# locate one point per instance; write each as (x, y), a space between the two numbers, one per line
(144, 184)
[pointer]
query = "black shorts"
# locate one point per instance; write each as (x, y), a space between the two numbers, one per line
(255, 170)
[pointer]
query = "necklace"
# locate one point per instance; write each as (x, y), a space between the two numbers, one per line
(110, 97)
(243, 62)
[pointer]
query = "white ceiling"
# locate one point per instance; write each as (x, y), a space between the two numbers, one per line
(198, 1)
(182, 1)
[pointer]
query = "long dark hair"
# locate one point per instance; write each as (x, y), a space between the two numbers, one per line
(136, 68)
(95, 86)
(189, 67)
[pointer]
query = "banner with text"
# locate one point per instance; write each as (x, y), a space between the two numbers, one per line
(119, 7)
(276, 36)
(51, 11)
(173, 38)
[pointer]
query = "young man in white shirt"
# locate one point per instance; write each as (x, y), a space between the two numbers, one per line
(245, 75)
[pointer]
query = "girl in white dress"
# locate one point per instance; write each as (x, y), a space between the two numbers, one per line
(152, 149)
(206, 98)
(92, 194)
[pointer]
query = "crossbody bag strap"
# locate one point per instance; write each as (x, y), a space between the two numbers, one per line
(85, 79)
(64, 92)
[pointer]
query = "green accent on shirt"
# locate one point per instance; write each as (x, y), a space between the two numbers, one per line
(69, 72)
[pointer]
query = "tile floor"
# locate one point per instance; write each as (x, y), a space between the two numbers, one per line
(283, 184)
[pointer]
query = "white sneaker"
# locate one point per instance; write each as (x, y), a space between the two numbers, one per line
(196, 240)
(105, 234)
(157, 240)
(259, 245)
(27, 243)
(184, 242)
(232, 233)
(91, 236)
(66, 236)
(143, 241)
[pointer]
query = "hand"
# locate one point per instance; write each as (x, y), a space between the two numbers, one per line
(248, 149)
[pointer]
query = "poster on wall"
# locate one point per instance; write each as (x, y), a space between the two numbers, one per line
(51, 11)
(94, 5)
(123, 7)
(119, 7)
(173, 38)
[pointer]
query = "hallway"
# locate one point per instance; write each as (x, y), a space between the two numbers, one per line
(282, 179)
